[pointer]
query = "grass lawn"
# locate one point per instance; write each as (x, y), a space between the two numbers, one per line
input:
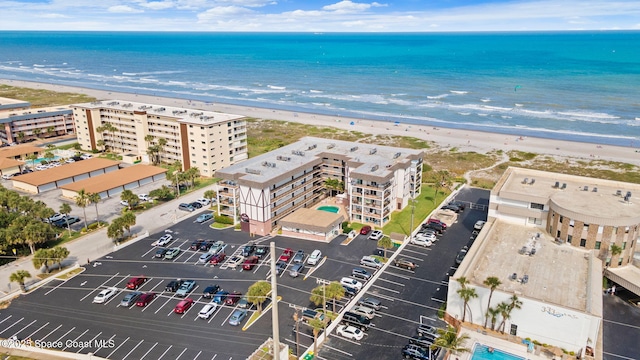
(43, 98)
(424, 204)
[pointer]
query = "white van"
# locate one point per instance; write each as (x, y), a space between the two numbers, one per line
(371, 262)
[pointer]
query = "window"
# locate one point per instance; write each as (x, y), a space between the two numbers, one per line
(598, 244)
(583, 242)
(569, 238)
(561, 218)
(619, 261)
(536, 206)
(624, 245)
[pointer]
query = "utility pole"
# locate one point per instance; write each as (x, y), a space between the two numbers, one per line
(324, 303)
(274, 307)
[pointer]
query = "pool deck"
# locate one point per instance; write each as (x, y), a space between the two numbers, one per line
(504, 345)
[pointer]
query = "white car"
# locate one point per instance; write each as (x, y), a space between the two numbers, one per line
(421, 241)
(203, 201)
(367, 312)
(41, 167)
(57, 217)
(69, 161)
(350, 332)
(164, 240)
(479, 224)
(208, 310)
(315, 256)
(376, 235)
(235, 261)
(105, 295)
(7, 176)
(124, 203)
(351, 283)
(427, 236)
(86, 156)
(144, 197)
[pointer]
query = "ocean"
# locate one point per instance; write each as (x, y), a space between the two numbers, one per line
(582, 86)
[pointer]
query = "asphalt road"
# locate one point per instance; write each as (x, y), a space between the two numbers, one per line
(621, 324)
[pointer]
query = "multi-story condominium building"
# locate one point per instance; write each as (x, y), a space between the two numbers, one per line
(21, 123)
(377, 180)
(203, 139)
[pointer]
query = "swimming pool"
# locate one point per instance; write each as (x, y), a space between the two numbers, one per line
(38, 161)
(331, 209)
(481, 352)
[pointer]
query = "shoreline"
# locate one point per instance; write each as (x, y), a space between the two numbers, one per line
(444, 138)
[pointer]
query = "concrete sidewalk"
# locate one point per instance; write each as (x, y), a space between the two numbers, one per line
(96, 244)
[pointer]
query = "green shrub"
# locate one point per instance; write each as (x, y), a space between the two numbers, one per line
(223, 219)
(442, 310)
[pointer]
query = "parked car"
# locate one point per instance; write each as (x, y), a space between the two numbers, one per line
(438, 228)
(415, 352)
(195, 245)
(7, 176)
(186, 288)
(425, 329)
(232, 298)
(365, 230)
(210, 290)
(250, 262)
(376, 235)
(286, 255)
(404, 263)
(136, 282)
(371, 262)
(461, 254)
(421, 241)
(479, 225)
(55, 217)
(204, 258)
(186, 207)
(68, 220)
(356, 320)
(183, 306)
(361, 273)
(205, 245)
(350, 332)
(220, 296)
(437, 221)
(262, 251)
(296, 270)
(422, 341)
(459, 204)
(347, 281)
(164, 240)
(160, 253)
(104, 295)
(145, 299)
(350, 291)
(144, 197)
(208, 310)
(451, 207)
(243, 303)
(130, 298)
(173, 285)
(203, 201)
(298, 257)
(367, 312)
(217, 247)
(235, 261)
(248, 250)
(237, 317)
(280, 266)
(427, 235)
(204, 218)
(315, 256)
(371, 303)
(172, 253)
(217, 258)
(196, 205)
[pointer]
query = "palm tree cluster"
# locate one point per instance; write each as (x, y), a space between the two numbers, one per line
(503, 309)
(84, 199)
(155, 148)
(118, 226)
(334, 185)
(178, 177)
(43, 257)
(107, 128)
(21, 222)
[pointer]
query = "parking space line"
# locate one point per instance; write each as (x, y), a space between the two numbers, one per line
(161, 306)
(398, 275)
(338, 350)
(89, 342)
(198, 354)
(415, 251)
(65, 334)
(437, 300)
(26, 326)
(147, 353)
(135, 347)
(116, 349)
(383, 288)
(169, 348)
(8, 317)
(76, 339)
(391, 282)
(194, 253)
(150, 250)
(107, 342)
(214, 357)
(410, 257)
(101, 285)
(33, 333)
(51, 332)
(12, 325)
(55, 287)
(185, 349)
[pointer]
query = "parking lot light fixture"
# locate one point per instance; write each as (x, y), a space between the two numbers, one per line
(274, 308)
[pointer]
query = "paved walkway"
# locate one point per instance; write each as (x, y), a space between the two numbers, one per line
(97, 244)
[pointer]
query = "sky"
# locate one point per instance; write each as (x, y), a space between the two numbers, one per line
(319, 15)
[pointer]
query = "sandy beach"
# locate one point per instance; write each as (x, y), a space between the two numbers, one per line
(463, 140)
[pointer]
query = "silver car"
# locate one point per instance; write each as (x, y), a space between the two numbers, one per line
(237, 317)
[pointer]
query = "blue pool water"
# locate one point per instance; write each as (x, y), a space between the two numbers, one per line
(40, 160)
(481, 352)
(332, 209)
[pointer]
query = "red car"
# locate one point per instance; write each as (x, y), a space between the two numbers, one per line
(286, 255)
(183, 306)
(135, 282)
(233, 298)
(218, 258)
(250, 262)
(145, 299)
(436, 221)
(365, 230)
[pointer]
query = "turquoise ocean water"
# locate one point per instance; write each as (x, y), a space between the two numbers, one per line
(565, 85)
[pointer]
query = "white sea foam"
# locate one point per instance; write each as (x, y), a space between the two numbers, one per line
(38, 65)
(277, 87)
(485, 100)
(586, 114)
(315, 91)
(458, 92)
(464, 113)
(441, 96)
(145, 73)
(518, 105)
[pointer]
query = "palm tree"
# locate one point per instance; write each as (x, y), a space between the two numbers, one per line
(317, 325)
(450, 341)
(36, 132)
(492, 283)
(514, 303)
(162, 142)
(32, 158)
(42, 258)
(58, 254)
(128, 220)
(153, 152)
(66, 210)
(385, 243)
(48, 156)
(19, 277)
(615, 251)
(131, 198)
(50, 130)
(334, 291)
(149, 139)
(493, 314)
(333, 185)
(257, 294)
(101, 144)
(462, 281)
(82, 200)
(210, 194)
(466, 294)
(115, 230)
(191, 174)
(503, 309)
(94, 198)
(443, 179)
(108, 127)
(20, 136)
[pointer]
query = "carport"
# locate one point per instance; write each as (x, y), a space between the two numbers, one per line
(56, 177)
(311, 224)
(20, 152)
(115, 182)
(10, 166)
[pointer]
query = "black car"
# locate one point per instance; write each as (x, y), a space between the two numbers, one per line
(160, 252)
(173, 285)
(461, 254)
(261, 252)
(196, 205)
(196, 244)
(435, 226)
(452, 208)
(422, 341)
(356, 320)
(205, 246)
(210, 290)
(349, 291)
(248, 250)
(280, 266)
(459, 204)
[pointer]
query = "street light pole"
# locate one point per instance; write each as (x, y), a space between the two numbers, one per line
(274, 307)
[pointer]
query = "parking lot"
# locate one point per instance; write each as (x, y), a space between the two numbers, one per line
(62, 314)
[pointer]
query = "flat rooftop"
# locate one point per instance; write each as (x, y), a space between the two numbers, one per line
(42, 177)
(114, 179)
(312, 219)
(558, 274)
(365, 159)
(34, 113)
(592, 197)
(186, 115)
(7, 104)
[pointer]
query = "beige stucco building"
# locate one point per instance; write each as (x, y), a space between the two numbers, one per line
(203, 139)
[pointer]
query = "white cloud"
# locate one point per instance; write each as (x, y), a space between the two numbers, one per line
(52, 16)
(158, 5)
(123, 9)
(347, 6)
(223, 12)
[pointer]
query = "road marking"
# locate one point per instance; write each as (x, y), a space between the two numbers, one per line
(391, 282)
(338, 350)
(65, 334)
(102, 285)
(414, 251)
(52, 331)
(185, 349)
(150, 250)
(76, 339)
(135, 347)
(198, 354)
(165, 303)
(437, 300)
(107, 342)
(90, 342)
(618, 356)
(33, 333)
(169, 348)
(9, 317)
(26, 326)
(214, 356)
(147, 353)
(383, 288)
(55, 287)
(617, 323)
(10, 326)
(398, 275)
